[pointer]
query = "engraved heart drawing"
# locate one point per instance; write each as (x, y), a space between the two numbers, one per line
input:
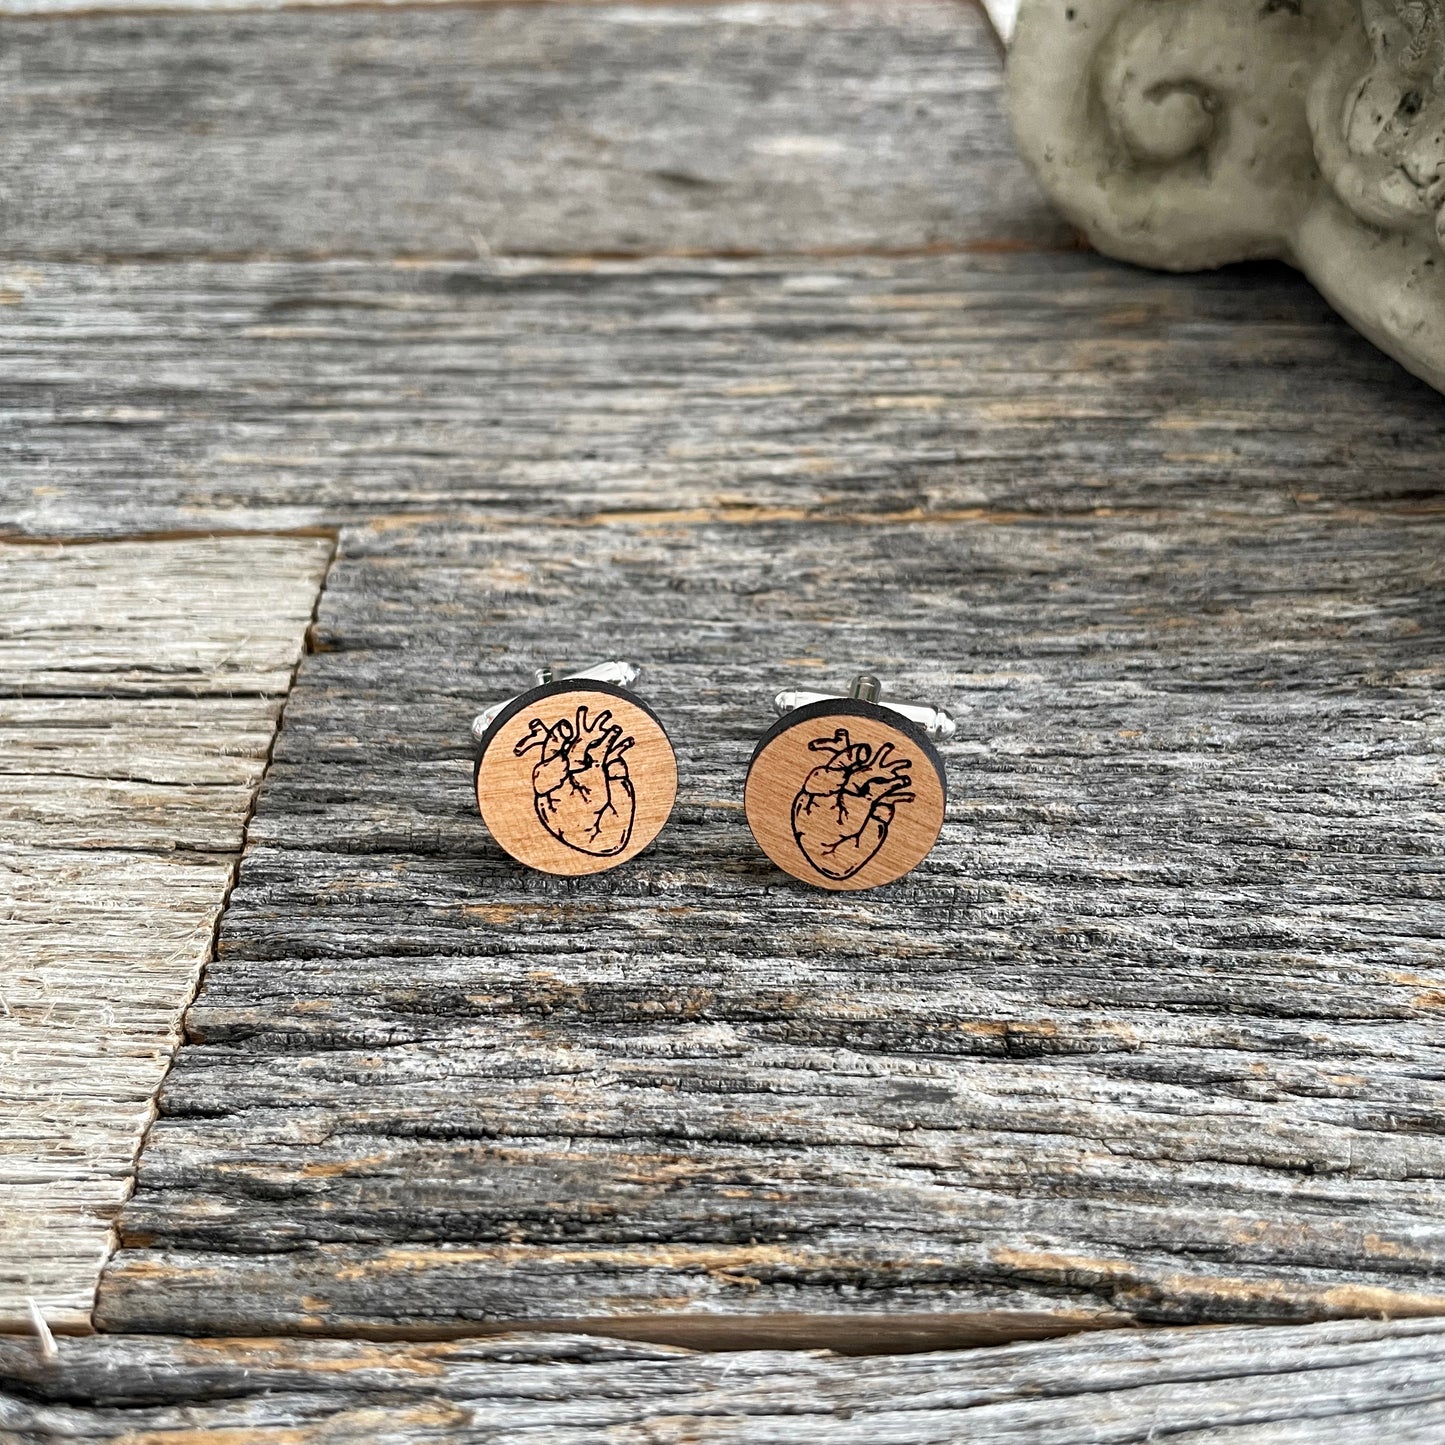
(582, 790)
(845, 807)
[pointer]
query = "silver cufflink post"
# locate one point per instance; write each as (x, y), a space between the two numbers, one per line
(617, 672)
(936, 724)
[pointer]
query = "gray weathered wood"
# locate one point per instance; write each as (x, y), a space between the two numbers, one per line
(139, 694)
(157, 773)
(102, 950)
(84, 9)
(1153, 1035)
(783, 125)
(155, 397)
(1335, 1384)
(156, 618)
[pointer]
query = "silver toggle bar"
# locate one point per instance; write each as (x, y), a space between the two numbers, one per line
(620, 674)
(936, 724)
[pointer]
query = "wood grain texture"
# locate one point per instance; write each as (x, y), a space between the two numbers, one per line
(1155, 1035)
(524, 128)
(155, 618)
(154, 773)
(575, 778)
(840, 796)
(86, 9)
(1159, 1040)
(1334, 1384)
(102, 951)
(138, 700)
(147, 398)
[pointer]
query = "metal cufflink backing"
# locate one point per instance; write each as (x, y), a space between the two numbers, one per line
(577, 774)
(937, 726)
(848, 792)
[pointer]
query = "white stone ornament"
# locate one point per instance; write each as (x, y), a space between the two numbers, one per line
(1186, 134)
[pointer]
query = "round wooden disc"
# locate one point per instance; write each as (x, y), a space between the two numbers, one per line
(845, 794)
(576, 777)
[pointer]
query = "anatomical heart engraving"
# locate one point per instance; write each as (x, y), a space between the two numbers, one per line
(581, 787)
(845, 807)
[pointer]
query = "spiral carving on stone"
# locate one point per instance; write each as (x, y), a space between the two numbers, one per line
(1191, 133)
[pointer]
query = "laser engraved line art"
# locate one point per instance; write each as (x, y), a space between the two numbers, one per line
(845, 807)
(581, 786)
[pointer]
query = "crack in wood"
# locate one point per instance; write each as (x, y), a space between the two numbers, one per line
(111, 885)
(1331, 1384)
(1148, 1037)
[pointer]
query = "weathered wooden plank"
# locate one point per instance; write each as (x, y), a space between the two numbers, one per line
(264, 417)
(121, 813)
(779, 126)
(155, 397)
(102, 951)
(1153, 1035)
(155, 618)
(1334, 1384)
(70, 9)
(156, 773)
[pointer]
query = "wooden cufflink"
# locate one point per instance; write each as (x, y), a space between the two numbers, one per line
(575, 775)
(848, 792)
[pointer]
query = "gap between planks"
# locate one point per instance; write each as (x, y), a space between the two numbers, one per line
(198, 534)
(1147, 1036)
(139, 698)
(742, 516)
